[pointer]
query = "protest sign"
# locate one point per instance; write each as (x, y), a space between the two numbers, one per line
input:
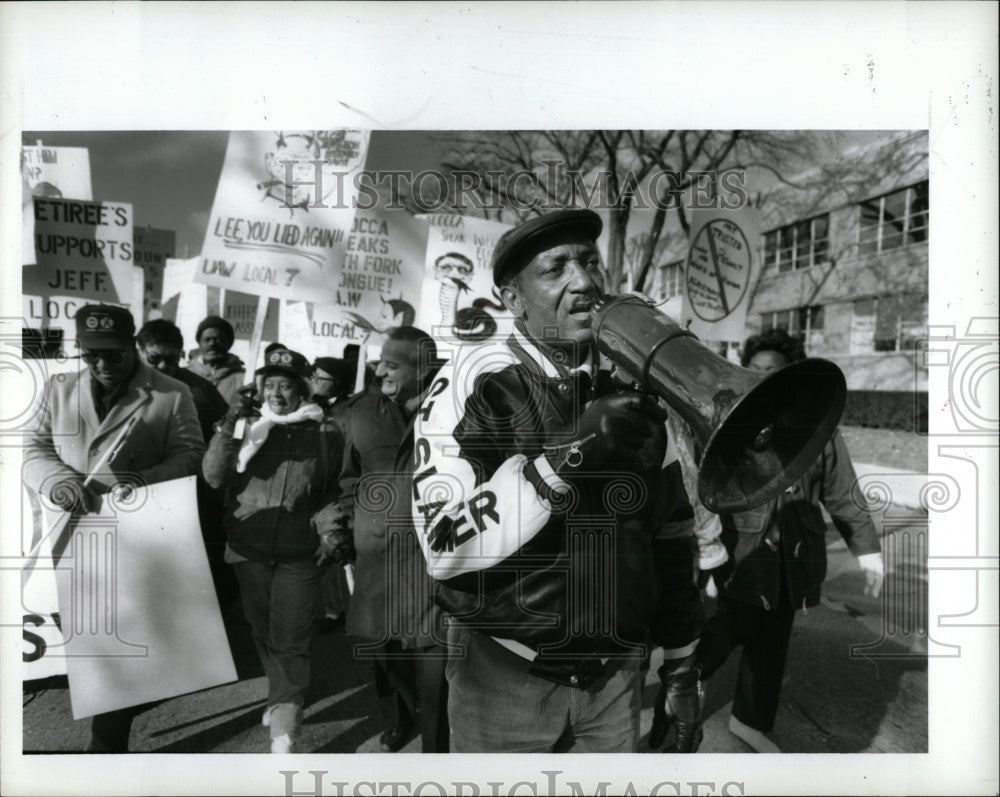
(295, 330)
(83, 253)
(459, 298)
(50, 172)
(139, 615)
(40, 618)
(183, 301)
(282, 212)
(240, 310)
(380, 283)
(720, 273)
(151, 248)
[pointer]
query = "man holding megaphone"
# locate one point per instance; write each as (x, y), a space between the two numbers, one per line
(557, 534)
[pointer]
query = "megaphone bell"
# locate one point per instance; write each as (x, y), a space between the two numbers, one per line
(760, 432)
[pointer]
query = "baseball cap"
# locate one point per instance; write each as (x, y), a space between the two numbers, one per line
(286, 361)
(102, 326)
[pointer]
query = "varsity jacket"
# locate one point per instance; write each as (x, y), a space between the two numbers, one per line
(554, 579)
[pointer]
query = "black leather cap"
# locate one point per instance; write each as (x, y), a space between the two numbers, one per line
(518, 246)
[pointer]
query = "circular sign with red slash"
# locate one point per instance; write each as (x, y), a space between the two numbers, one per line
(718, 270)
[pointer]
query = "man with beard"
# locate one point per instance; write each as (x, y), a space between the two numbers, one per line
(560, 543)
(215, 338)
(81, 416)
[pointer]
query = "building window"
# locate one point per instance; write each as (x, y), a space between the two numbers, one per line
(888, 323)
(894, 220)
(805, 323)
(799, 245)
(670, 281)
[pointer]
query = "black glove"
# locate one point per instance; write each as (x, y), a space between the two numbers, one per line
(680, 703)
(611, 431)
(71, 496)
(337, 546)
(244, 406)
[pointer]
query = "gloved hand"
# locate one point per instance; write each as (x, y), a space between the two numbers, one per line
(337, 546)
(71, 496)
(611, 431)
(244, 406)
(680, 703)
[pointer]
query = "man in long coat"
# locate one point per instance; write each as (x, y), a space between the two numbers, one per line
(79, 419)
(392, 602)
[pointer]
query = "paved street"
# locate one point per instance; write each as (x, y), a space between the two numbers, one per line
(871, 700)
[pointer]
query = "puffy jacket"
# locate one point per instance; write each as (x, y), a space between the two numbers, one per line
(568, 581)
(790, 531)
(287, 495)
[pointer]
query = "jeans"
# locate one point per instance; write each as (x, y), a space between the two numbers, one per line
(496, 706)
(279, 601)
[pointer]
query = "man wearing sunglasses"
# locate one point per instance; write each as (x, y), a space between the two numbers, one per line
(78, 421)
(161, 346)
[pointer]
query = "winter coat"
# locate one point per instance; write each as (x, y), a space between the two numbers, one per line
(208, 402)
(566, 581)
(393, 595)
(790, 531)
(287, 496)
(227, 377)
(68, 437)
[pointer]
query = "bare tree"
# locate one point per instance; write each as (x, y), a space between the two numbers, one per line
(514, 175)
(517, 174)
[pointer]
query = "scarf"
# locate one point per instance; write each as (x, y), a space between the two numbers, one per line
(258, 431)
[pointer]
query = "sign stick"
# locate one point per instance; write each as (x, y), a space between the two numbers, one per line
(258, 332)
(359, 379)
(255, 338)
(222, 302)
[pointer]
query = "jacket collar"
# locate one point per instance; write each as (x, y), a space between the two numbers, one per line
(538, 359)
(137, 393)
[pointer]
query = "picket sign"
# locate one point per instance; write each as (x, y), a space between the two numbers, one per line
(140, 618)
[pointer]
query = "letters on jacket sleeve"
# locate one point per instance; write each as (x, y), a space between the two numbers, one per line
(473, 505)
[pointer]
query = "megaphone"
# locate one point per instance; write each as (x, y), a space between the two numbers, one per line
(759, 431)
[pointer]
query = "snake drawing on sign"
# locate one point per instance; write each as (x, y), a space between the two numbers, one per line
(718, 270)
(394, 313)
(474, 323)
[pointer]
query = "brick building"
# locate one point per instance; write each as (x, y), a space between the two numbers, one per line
(845, 268)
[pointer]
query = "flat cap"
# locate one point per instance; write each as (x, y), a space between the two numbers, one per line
(102, 326)
(518, 246)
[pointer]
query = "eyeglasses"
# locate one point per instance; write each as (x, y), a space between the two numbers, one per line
(109, 356)
(156, 359)
(317, 378)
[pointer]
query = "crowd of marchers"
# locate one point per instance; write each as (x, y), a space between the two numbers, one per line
(445, 511)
